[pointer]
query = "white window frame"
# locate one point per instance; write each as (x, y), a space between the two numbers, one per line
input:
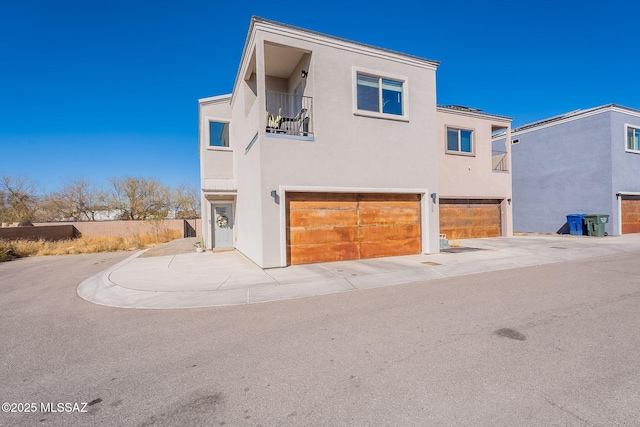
(382, 75)
(207, 133)
(459, 152)
(626, 133)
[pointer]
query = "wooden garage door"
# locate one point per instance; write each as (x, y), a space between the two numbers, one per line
(337, 226)
(469, 218)
(630, 214)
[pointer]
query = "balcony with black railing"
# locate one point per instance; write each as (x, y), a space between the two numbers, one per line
(289, 114)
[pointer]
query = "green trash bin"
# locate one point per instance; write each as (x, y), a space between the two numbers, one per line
(595, 224)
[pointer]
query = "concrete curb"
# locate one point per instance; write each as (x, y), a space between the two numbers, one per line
(100, 290)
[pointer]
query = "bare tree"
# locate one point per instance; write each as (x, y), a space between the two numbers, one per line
(79, 200)
(186, 201)
(139, 198)
(18, 198)
(48, 210)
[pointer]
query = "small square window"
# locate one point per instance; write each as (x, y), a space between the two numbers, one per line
(460, 140)
(218, 134)
(633, 138)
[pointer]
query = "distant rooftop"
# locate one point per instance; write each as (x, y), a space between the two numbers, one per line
(571, 114)
(471, 110)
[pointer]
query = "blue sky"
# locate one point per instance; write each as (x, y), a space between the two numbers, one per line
(103, 89)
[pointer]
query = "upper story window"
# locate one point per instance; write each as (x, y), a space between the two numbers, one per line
(633, 139)
(459, 141)
(218, 134)
(380, 95)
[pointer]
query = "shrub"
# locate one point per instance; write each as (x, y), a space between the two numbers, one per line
(6, 251)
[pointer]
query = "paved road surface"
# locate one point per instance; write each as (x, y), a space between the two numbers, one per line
(538, 346)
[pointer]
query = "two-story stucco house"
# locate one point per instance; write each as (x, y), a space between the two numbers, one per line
(329, 150)
(475, 180)
(582, 162)
(326, 150)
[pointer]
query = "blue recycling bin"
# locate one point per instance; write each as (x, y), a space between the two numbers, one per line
(575, 224)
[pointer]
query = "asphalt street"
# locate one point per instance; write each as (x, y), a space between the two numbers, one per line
(556, 344)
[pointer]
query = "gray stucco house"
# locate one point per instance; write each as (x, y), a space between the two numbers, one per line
(585, 161)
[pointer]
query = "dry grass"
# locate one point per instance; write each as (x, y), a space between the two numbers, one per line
(83, 245)
(6, 251)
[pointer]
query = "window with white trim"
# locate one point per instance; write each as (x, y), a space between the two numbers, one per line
(218, 134)
(379, 94)
(459, 141)
(633, 138)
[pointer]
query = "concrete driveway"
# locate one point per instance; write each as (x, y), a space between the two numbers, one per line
(190, 280)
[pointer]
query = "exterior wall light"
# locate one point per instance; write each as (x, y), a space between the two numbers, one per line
(304, 74)
(275, 196)
(509, 201)
(434, 197)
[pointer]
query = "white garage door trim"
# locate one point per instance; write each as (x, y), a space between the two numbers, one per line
(424, 207)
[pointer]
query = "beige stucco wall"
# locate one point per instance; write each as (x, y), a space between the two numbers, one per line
(464, 176)
(247, 115)
(215, 162)
(350, 152)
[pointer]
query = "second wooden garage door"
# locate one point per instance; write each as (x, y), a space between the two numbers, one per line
(469, 218)
(338, 226)
(630, 214)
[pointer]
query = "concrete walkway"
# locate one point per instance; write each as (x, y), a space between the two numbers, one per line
(189, 280)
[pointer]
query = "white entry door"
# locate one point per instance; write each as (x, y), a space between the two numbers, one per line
(222, 225)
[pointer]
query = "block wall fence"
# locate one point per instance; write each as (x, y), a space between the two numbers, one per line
(188, 227)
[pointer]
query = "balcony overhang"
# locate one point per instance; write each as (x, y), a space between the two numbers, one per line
(226, 186)
(281, 61)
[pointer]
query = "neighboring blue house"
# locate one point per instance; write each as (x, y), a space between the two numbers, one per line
(585, 161)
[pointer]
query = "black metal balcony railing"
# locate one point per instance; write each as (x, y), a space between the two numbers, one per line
(289, 114)
(499, 161)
